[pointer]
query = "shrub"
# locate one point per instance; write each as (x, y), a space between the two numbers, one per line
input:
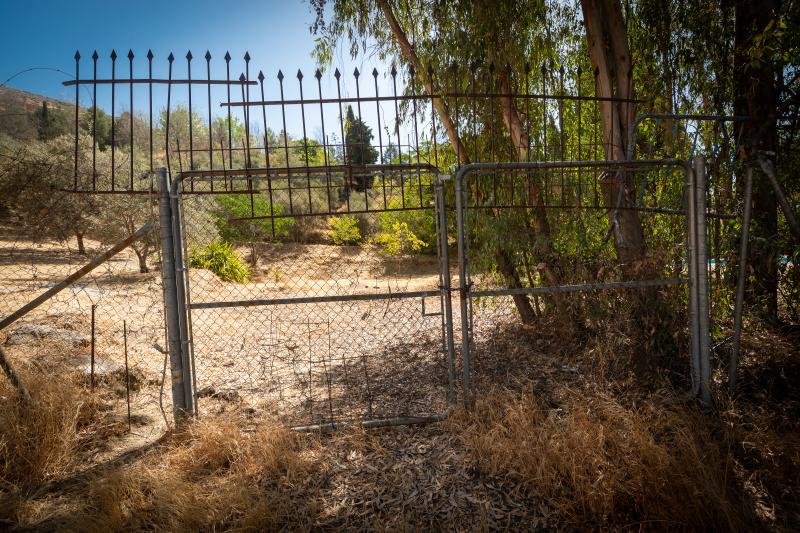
(398, 239)
(220, 258)
(238, 206)
(422, 220)
(344, 230)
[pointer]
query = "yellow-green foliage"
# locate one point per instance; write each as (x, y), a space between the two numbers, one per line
(344, 230)
(398, 239)
(220, 258)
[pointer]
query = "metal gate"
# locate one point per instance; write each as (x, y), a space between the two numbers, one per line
(489, 194)
(317, 333)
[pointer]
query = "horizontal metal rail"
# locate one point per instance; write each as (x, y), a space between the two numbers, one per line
(301, 172)
(155, 81)
(581, 287)
(316, 299)
(401, 97)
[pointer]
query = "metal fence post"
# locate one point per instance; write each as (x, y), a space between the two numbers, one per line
(182, 296)
(703, 309)
(446, 287)
(737, 312)
(691, 238)
(171, 310)
(463, 288)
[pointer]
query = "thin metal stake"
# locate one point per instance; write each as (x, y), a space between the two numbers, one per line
(91, 356)
(127, 373)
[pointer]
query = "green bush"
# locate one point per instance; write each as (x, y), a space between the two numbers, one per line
(344, 230)
(238, 206)
(220, 258)
(421, 220)
(398, 239)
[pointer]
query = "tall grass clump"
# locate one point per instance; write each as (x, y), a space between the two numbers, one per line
(41, 440)
(211, 476)
(599, 464)
(220, 258)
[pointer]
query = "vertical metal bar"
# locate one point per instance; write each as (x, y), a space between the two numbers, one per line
(413, 84)
(446, 284)
(580, 134)
(380, 136)
(94, 120)
(318, 76)
(113, 116)
(528, 116)
(454, 81)
(356, 75)
(247, 107)
(185, 303)
(514, 149)
(473, 68)
(702, 280)
(228, 87)
(170, 59)
(490, 91)
(393, 73)
(182, 296)
(346, 161)
(740, 282)
(92, 352)
(463, 292)
(191, 126)
(130, 94)
(433, 119)
(261, 78)
(691, 237)
(179, 407)
(305, 140)
(77, 110)
(248, 161)
(127, 371)
(210, 129)
(286, 144)
(243, 80)
(150, 100)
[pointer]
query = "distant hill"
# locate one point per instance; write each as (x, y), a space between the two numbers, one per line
(19, 112)
(15, 100)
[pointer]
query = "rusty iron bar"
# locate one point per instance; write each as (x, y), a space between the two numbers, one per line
(487, 94)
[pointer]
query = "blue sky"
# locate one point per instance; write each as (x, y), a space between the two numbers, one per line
(46, 34)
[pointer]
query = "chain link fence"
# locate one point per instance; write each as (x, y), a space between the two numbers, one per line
(107, 328)
(331, 315)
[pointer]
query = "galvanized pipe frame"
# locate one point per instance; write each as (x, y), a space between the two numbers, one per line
(696, 235)
(178, 305)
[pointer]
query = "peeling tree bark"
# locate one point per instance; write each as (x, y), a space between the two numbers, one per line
(611, 62)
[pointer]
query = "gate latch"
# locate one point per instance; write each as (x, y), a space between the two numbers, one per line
(428, 314)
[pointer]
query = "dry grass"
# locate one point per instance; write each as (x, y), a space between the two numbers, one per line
(579, 458)
(572, 456)
(214, 475)
(46, 439)
(600, 464)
